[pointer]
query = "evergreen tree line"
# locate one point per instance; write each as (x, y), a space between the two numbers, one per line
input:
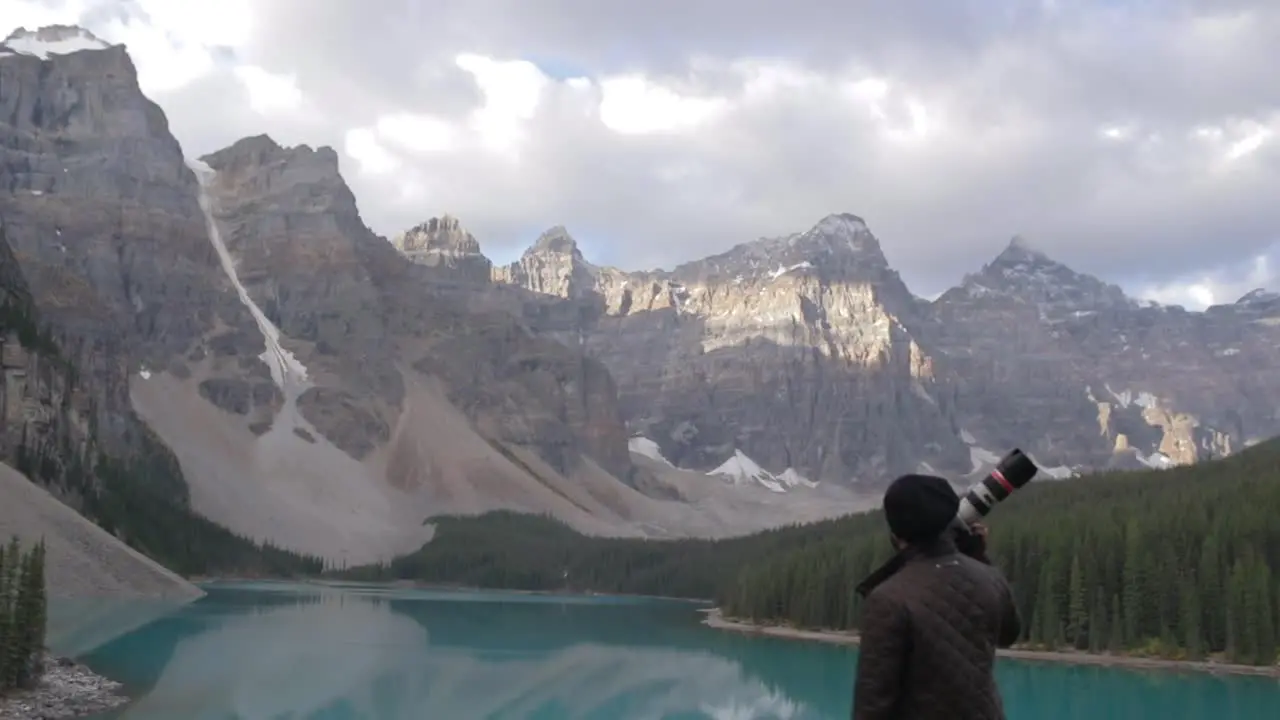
(1179, 563)
(23, 615)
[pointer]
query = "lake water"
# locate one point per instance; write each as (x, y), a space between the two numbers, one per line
(267, 651)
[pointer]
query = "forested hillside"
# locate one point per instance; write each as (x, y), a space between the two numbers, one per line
(1177, 563)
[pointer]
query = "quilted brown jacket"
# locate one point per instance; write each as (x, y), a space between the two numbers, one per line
(929, 636)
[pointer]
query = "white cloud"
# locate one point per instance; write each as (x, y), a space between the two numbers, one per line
(269, 93)
(635, 105)
(1134, 143)
(363, 146)
(1220, 285)
(512, 92)
(418, 132)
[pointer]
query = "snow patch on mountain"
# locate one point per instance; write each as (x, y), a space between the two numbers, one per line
(288, 373)
(1156, 460)
(641, 445)
(983, 460)
(780, 271)
(52, 40)
(1056, 472)
(1125, 398)
(792, 478)
(742, 470)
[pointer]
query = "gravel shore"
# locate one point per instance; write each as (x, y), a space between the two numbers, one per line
(67, 690)
(716, 620)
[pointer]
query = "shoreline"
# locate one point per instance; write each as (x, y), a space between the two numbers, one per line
(402, 584)
(67, 689)
(715, 619)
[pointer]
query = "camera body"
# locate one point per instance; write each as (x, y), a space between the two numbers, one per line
(1011, 473)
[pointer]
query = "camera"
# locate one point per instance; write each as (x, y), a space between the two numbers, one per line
(1011, 473)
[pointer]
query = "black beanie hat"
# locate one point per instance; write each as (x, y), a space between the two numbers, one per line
(920, 507)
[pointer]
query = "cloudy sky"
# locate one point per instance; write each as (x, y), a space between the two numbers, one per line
(1134, 139)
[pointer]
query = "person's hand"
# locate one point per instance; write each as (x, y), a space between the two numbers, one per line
(974, 543)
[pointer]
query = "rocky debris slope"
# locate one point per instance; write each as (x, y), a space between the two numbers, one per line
(83, 559)
(806, 356)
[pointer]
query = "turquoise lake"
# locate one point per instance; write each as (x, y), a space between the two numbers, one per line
(268, 651)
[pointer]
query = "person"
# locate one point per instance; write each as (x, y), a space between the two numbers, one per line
(929, 632)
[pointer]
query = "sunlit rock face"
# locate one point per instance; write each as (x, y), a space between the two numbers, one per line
(808, 355)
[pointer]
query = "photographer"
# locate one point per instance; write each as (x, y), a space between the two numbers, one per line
(929, 632)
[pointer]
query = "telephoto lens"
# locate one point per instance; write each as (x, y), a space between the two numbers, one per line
(1012, 472)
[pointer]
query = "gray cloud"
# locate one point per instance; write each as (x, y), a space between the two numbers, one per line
(1019, 95)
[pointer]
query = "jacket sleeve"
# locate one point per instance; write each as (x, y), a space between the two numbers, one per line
(884, 646)
(1010, 621)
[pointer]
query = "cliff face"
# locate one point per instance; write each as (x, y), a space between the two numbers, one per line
(801, 353)
(43, 413)
(808, 356)
(358, 313)
(102, 217)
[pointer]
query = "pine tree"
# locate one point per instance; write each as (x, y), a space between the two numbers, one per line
(1193, 635)
(6, 624)
(1078, 609)
(1098, 627)
(33, 609)
(14, 649)
(1209, 574)
(1134, 587)
(1266, 642)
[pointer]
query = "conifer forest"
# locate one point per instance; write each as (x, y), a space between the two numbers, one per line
(1178, 563)
(1181, 563)
(23, 614)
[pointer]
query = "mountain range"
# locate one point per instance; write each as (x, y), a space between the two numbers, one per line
(231, 321)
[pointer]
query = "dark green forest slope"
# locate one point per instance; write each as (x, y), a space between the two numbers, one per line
(1176, 563)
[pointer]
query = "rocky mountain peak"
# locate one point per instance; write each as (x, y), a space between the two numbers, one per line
(308, 176)
(442, 242)
(1258, 304)
(441, 234)
(553, 265)
(302, 162)
(555, 241)
(844, 235)
(839, 247)
(1023, 272)
(1020, 249)
(51, 40)
(1259, 296)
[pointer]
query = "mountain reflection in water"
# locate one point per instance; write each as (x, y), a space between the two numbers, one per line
(358, 652)
(274, 650)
